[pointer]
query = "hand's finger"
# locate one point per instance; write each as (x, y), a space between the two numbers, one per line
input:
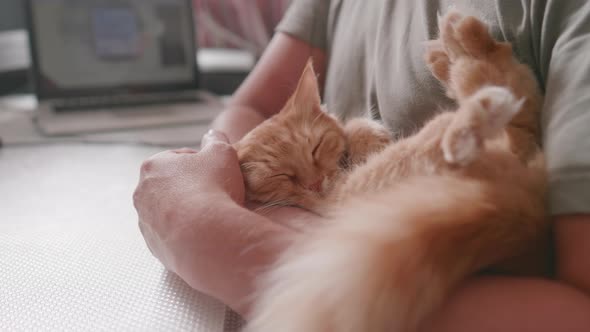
(160, 158)
(213, 136)
(184, 150)
(149, 165)
(161, 155)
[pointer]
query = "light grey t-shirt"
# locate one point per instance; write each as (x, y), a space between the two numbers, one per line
(376, 68)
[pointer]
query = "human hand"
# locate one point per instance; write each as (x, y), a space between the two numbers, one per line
(178, 187)
(192, 216)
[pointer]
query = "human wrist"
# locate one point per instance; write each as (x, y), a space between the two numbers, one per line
(237, 120)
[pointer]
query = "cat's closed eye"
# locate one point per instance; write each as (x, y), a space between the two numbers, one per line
(283, 175)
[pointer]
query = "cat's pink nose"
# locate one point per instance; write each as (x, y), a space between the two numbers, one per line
(316, 186)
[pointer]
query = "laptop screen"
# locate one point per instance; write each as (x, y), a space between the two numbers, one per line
(97, 47)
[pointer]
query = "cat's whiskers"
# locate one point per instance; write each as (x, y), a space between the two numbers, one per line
(248, 166)
(267, 207)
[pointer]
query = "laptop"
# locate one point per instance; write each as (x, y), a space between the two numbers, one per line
(101, 65)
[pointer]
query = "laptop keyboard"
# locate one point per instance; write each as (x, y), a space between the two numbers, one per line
(122, 101)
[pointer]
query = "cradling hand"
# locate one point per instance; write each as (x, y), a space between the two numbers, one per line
(178, 189)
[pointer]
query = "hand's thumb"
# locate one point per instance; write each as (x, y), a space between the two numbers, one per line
(213, 136)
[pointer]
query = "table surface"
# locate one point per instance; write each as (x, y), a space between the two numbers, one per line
(71, 253)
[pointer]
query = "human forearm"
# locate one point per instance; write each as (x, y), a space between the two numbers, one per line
(229, 249)
(519, 304)
(249, 244)
(507, 304)
(572, 234)
(236, 121)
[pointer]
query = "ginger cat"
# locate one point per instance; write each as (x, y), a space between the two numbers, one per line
(406, 221)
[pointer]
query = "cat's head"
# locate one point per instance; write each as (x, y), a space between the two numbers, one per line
(293, 157)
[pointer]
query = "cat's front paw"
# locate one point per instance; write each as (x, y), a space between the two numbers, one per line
(365, 137)
(465, 36)
(439, 63)
(461, 146)
(483, 116)
(459, 37)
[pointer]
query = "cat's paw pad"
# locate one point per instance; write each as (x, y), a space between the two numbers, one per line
(437, 60)
(497, 107)
(461, 146)
(465, 36)
(483, 116)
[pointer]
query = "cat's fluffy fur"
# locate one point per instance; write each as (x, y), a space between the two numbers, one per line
(407, 221)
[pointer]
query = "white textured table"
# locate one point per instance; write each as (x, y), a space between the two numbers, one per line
(71, 255)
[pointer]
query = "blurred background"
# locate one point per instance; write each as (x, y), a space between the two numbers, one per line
(220, 24)
(77, 46)
(244, 24)
(11, 15)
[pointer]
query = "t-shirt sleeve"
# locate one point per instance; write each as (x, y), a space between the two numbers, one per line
(307, 20)
(566, 112)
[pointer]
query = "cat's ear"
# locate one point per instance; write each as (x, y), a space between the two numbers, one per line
(307, 93)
